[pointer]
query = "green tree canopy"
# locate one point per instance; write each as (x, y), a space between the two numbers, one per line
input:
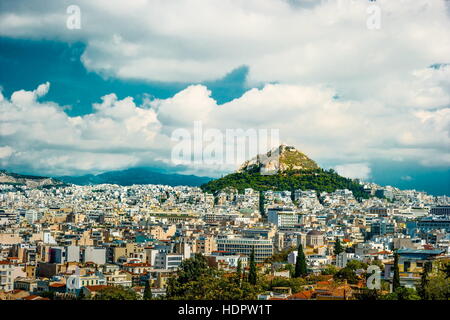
(402, 293)
(195, 280)
(329, 270)
(355, 265)
(338, 246)
(314, 179)
(116, 293)
(346, 274)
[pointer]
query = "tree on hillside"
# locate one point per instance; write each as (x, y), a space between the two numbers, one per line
(147, 291)
(300, 263)
(239, 272)
(437, 284)
(195, 280)
(252, 274)
(338, 246)
(346, 274)
(190, 270)
(396, 278)
(355, 265)
(421, 289)
(262, 210)
(116, 293)
(329, 270)
(402, 293)
(446, 270)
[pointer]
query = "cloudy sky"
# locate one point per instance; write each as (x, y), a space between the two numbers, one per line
(373, 103)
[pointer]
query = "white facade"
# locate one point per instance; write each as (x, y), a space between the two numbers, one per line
(95, 255)
(283, 218)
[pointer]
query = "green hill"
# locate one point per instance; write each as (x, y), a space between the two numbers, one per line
(294, 171)
(317, 179)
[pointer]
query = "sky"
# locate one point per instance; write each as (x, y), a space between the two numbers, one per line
(359, 86)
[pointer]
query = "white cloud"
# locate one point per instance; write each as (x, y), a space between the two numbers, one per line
(5, 151)
(354, 170)
(287, 41)
(390, 105)
(120, 134)
(42, 89)
(117, 135)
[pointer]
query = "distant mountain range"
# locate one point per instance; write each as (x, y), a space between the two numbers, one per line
(132, 176)
(10, 178)
(123, 177)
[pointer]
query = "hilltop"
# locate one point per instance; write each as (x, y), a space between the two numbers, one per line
(290, 171)
(283, 159)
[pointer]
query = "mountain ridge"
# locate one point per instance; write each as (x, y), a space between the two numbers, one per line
(32, 181)
(132, 176)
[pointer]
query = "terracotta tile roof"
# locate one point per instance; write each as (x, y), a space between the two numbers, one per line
(137, 265)
(96, 288)
(34, 297)
(383, 252)
(16, 291)
(303, 295)
(324, 283)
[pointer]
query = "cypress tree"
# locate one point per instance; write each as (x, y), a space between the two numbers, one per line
(396, 278)
(338, 246)
(252, 276)
(300, 263)
(262, 210)
(424, 281)
(239, 272)
(147, 291)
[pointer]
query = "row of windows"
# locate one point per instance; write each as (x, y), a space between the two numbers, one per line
(240, 246)
(249, 242)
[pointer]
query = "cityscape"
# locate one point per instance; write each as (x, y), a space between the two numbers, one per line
(224, 158)
(106, 241)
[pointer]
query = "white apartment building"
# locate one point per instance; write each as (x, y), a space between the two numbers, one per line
(6, 276)
(283, 218)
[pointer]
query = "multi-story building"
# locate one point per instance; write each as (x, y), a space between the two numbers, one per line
(283, 218)
(315, 238)
(440, 211)
(95, 255)
(165, 260)
(7, 218)
(381, 227)
(428, 224)
(411, 264)
(263, 247)
(205, 245)
(6, 276)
